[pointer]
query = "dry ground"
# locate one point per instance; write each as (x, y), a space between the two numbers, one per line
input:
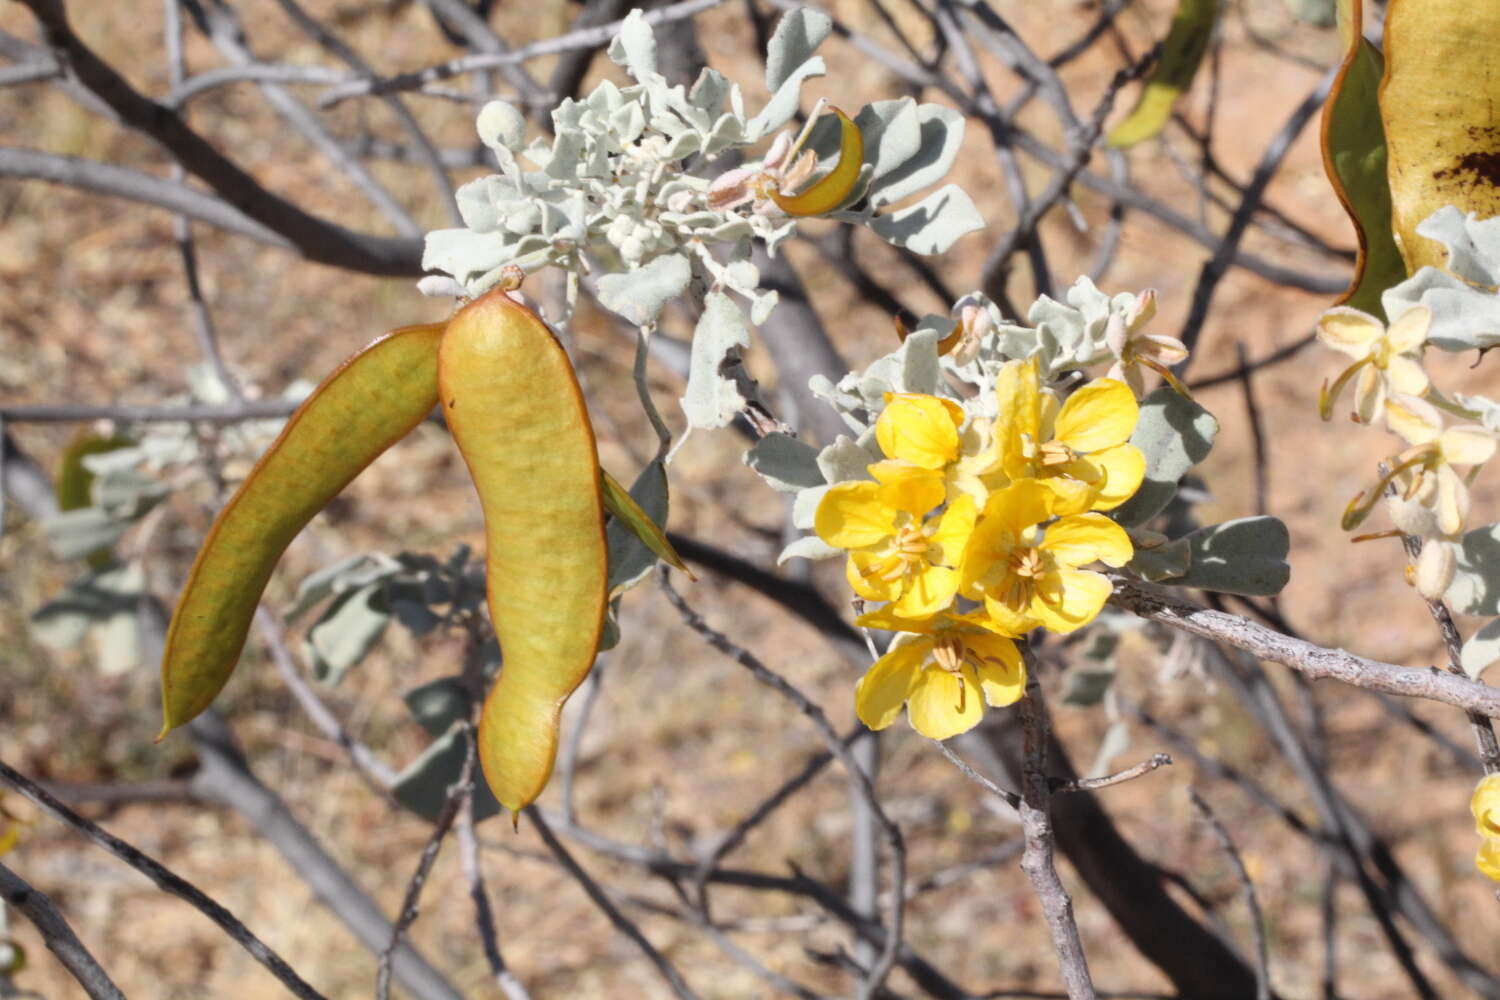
(92, 307)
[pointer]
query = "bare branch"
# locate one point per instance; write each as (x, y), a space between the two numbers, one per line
(484, 916)
(1315, 661)
(1118, 778)
(1257, 921)
(58, 936)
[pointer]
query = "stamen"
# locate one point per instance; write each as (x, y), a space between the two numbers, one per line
(1327, 397)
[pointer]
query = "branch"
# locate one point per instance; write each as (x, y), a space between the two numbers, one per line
(315, 238)
(1317, 662)
(165, 880)
(58, 936)
(1257, 921)
(133, 185)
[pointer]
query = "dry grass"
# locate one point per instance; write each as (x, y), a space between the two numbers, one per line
(94, 309)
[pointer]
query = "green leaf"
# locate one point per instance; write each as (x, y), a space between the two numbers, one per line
(1354, 157)
(1245, 556)
(423, 786)
(785, 462)
(345, 634)
(636, 539)
(1162, 562)
(1175, 434)
(363, 408)
(1181, 54)
(102, 607)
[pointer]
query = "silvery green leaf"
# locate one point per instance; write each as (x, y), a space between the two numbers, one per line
(634, 47)
(1162, 562)
(95, 599)
(845, 461)
(423, 785)
(785, 462)
(892, 132)
(709, 91)
(1322, 13)
(628, 122)
(728, 131)
(1245, 556)
(778, 236)
(1472, 243)
(501, 126)
(1464, 318)
(568, 150)
(462, 253)
(629, 558)
(933, 224)
(761, 305)
(685, 144)
(73, 534)
(639, 295)
(942, 133)
(920, 371)
(1482, 649)
(345, 575)
(798, 34)
(1476, 577)
(345, 634)
(438, 704)
(711, 400)
(1175, 434)
(116, 644)
(784, 100)
(809, 547)
(805, 507)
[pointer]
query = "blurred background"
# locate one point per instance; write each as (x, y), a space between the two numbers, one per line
(680, 742)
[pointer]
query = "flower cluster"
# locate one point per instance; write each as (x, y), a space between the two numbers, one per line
(1486, 809)
(1427, 482)
(975, 530)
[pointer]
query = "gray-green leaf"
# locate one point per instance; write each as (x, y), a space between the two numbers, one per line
(933, 224)
(711, 400)
(1175, 434)
(1245, 556)
(639, 295)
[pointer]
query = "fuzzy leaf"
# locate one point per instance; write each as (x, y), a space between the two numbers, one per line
(1476, 577)
(345, 633)
(810, 547)
(438, 704)
(423, 786)
(933, 224)
(711, 400)
(1245, 556)
(941, 135)
(1482, 649)
(797, 36)
(785, 462)
(1175, 434)
(639, 295)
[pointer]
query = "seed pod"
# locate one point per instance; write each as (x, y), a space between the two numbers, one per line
(513, 404)
(359, 411)
(831, 191)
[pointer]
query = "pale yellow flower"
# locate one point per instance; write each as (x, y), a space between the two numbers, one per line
(1386, 360)
(943, 669)
(1486, 809)
(1135, 349)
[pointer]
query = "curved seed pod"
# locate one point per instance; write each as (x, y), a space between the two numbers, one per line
(359, 411)
(514, 407)
(829, 193)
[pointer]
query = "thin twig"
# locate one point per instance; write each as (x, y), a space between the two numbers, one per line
(1257, 920)
(484, 915)
(58, 936)
(1119, 777)
(165, 880)
(461, 789)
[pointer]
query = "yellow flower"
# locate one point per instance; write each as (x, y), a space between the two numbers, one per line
(1425, 470)
(896, 551)
(919, 429)
(1386, 360)
(1079, 450)
(1135, 349)
(1028, 575)
(944, 668)
(1486, 809)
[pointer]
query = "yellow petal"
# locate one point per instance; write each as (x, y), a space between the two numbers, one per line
(864, 571)
(10, 836)
(1124, 468)
(1019, 506)
(927, 591)
(1002, 673)
(853, 515)
(1074, 496)
(1074, 598)
(908, 487)
(1098, 415)
(1010, 619)
(1488, 858)
(1406, 375)
(886, 618)
(1082, 538)
(1467, 445)
(1349, 331)
(934, 704)
(1415, 420)
(1485, 805)
(919, 429)
(953, 530)
(1018, 398)
(884, 688)
(1409, 332)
